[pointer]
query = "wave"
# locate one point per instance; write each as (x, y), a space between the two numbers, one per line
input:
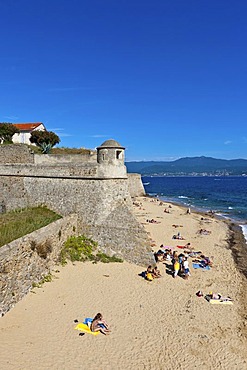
(244, 229)
(182, 197)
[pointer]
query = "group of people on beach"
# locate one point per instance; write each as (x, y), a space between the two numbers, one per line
(180, 262)
(180, 265)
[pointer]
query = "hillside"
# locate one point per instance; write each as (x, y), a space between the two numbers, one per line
(192, 166)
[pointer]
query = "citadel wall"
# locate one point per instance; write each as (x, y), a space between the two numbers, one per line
(100, 194)
(27, 260)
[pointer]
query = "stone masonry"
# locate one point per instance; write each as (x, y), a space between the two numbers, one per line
(28, 259)
(98, 191)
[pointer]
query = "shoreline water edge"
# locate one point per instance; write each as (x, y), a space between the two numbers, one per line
(236, 241)
(237, 231)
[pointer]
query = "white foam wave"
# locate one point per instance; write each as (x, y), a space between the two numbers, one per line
(244, 228)
(183, 197)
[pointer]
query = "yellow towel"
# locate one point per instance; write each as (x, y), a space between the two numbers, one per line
(218, 301)
(85, 329)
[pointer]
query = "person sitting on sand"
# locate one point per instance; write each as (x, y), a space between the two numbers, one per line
(188, 246)
(160, 255)
(156, 273)
(149, 273)
(99, 324)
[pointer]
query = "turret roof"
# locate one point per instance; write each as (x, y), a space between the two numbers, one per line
(110, 144)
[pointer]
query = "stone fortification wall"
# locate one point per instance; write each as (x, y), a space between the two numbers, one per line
(68, 158)
(99, 192)
(28, 259)
(135, 185)
(51, 171)
(92, 199)
(86, 170)
(104, 208)
(15, 153)
(121, 234)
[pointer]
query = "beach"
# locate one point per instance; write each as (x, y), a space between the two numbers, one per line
(160, 324)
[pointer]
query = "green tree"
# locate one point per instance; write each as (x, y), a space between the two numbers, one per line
(7, 130)
(44, 139)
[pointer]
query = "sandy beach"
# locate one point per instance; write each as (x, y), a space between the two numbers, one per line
(154, 325)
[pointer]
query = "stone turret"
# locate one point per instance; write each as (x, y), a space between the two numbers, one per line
(110, 158)
(110, 152)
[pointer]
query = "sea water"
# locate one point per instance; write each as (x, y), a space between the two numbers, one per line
(226, 196)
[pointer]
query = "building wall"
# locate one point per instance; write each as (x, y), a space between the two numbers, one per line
(24, 136)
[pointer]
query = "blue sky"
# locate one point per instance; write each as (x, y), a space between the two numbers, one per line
(167, 79)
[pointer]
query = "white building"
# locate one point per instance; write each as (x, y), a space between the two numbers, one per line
(25, 132)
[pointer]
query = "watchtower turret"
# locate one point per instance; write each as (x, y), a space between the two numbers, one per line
(110, 152)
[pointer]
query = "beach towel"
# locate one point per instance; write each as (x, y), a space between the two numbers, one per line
(88, 321)
(219, 301)
(199, 266)
(83, 327)
(222, 300)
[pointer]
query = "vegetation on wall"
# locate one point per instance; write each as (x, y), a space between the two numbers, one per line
(62, 150)
(81, 248)
(18, 223)
(44, 139)
(65, 150)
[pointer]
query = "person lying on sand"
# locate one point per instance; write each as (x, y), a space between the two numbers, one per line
(203, 232)
(218, 296)
(178, 236)
(99, 324)
(152, 221)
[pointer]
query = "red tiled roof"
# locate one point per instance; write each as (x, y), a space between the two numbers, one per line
(27, 126)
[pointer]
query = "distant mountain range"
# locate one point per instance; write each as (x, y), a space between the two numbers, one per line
(190, 166)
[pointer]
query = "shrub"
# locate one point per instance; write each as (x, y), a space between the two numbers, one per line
(81, 248)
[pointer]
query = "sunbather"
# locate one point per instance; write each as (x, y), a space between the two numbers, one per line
(149, 273)
(156, 273)
(99, 324)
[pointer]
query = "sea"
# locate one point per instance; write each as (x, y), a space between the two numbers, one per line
(225, 196)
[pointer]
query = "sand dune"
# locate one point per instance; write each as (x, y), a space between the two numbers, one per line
(155, 325)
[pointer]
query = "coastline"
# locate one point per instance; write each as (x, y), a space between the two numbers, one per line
(155, 325)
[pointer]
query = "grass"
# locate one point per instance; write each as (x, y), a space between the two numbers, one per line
(62, 150)
(18, 223)
(46, 279)
(81, 248)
